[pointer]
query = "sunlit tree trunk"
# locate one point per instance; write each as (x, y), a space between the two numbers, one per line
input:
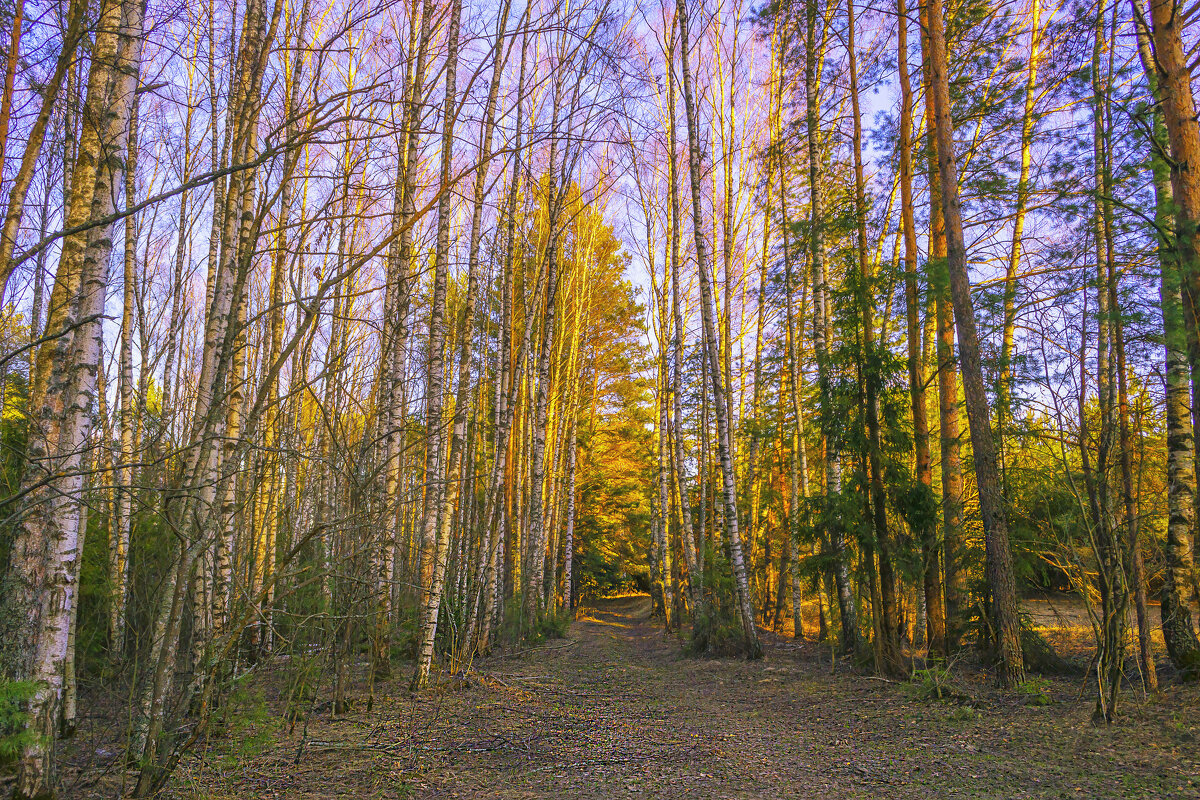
(948, 419)
(14, 211)
(999, 567)
(69, 716)
(822, 328)
(175, 316)
(119, 552)
(662, 520)
(12, 54)
(797, 469)
(535, 536)
(1178, 105)
(435, 535)
(695, 571)
(1179, 634)
(935, 614)
(1004, 400)
(568, 598)
(753, 484)
(572, 407)
(41, 587)
(724, 446)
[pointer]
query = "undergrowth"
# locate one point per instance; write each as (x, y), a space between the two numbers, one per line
(935, 683)
(249, 726)
(548, 624)
(14, 736)
(717, 627)
(1036, 692)
(1039, 655)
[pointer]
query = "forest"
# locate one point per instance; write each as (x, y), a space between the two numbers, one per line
(601, 398)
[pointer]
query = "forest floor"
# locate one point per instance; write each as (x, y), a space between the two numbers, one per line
(617, 710)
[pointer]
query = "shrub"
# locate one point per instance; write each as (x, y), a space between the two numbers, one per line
(14, 735)
(717, 632)
(935, 682)
(717, 628)
(1041, 657)
(249, 725)
(548, 624)
(1036, 692)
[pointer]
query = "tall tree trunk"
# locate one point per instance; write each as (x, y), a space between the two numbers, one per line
(948, 425)
(1179, 634)
(176, 315)
(119, 553)
(797, 466)
(695, 570)
(822, 327)
(1111, 568)
(1137, 571)
(724, 445)
(1178, 106)
(889, 647)
(797, 479)
(12, 55)
(1136, 566)
(397, 301)
(14, 212)
(1004, 400)
(435, 535)
(999, 569)
(935, 610)
(662, 521)
(42, 582)
(535, 536)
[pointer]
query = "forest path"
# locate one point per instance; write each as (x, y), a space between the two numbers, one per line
(617, 711)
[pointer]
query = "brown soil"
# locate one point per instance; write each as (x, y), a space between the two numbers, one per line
(617, 711)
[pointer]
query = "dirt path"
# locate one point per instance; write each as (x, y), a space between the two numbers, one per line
(615, 711)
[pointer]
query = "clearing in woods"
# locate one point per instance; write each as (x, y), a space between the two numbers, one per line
(617, 711)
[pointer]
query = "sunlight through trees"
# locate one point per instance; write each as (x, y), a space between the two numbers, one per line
(362, 341)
